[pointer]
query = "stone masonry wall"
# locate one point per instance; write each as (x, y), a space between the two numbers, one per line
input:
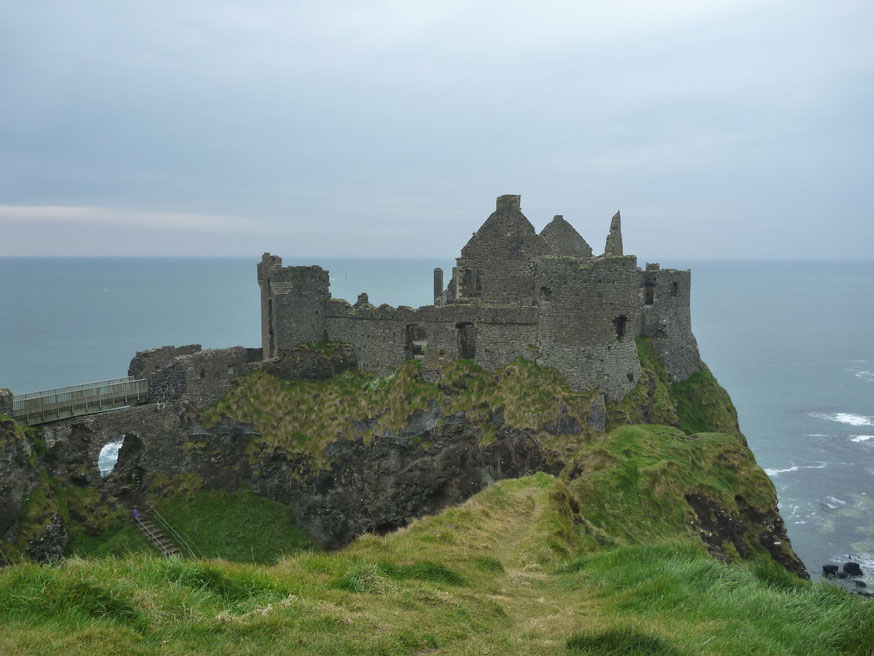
(589, 319)
(293, 303)
(666, 318)
(380, 334)
(501, 257)
(200, 378)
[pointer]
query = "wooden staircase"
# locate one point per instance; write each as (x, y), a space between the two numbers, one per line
(156, 536)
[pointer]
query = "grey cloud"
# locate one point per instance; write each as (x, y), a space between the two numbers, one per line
(726, 128)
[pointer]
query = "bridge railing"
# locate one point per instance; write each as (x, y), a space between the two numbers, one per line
(63, 402)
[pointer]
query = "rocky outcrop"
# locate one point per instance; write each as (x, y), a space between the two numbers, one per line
(145, 363)
(719, 527)
(49, 545)
(384, 485)
(17, 477)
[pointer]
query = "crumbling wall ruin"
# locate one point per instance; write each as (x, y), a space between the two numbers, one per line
(514, 293)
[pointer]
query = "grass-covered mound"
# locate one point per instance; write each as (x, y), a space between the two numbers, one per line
(645, 483)
(304, 416)
(498, 575)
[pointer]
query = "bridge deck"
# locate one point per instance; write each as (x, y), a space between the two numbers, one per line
(64, 402)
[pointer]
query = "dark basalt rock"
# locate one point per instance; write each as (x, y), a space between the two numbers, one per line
(384, 485)
(852, 569)
(49, 547)
(17, 478)
(830, 571)
(719, 527)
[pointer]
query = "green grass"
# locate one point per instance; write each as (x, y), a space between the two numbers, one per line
(635, 484)
(696, 405)
(703, 405)
(481, 578)
(302, 417)
(118, 540)
(241, 526)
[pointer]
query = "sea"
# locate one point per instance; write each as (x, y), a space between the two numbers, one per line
(791, 341)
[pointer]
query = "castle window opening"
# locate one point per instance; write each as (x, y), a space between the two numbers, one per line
(675, 288)
(415, 341)
(471, 282)
(466, 340)
(620, 323)
(649, 293)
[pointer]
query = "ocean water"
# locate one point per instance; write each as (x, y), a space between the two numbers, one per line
(790, 341)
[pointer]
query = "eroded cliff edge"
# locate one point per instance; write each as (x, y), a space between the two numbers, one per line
(351, 453)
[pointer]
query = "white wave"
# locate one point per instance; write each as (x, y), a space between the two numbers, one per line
(834, 502)
(776, 472)
(861, 438)
(867, 376)
(815, 435)
(845, 418)
(108, 457)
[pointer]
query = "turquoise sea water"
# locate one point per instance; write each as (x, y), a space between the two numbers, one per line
(790, 341)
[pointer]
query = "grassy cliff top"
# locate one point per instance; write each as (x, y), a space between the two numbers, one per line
(511, 571)
(304, 416)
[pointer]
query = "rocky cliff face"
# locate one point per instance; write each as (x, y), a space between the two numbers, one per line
(17, 476)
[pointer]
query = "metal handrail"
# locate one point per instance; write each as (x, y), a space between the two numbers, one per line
(50, 405)
(73, 388)
(154, 538)
(180, 541)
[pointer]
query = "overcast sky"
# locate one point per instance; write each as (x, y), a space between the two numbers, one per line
(718, 128)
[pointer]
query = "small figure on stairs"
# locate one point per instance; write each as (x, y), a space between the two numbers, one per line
(136, 514)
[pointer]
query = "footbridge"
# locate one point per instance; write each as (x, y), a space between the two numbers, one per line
(65, 402)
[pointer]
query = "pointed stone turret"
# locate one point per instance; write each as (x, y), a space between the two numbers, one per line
(614, 237)
(562, 239)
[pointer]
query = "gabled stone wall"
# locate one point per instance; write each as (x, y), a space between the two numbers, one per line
(497, 264)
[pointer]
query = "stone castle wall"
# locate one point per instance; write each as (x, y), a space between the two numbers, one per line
(667, 319)
(293, 303)
(497, 264)
(198, 377)
(589, 317)
(513, 294)
(383, 335)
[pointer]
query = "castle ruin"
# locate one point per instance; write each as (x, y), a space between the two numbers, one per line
(513, 293)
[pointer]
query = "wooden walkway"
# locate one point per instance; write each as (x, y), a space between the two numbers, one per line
(65, 402)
